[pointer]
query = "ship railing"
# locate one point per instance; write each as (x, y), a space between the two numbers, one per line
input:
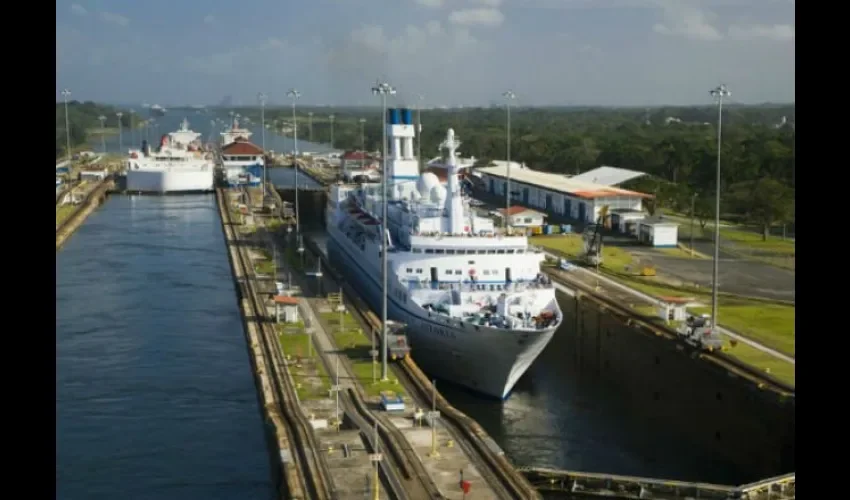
(471, 286)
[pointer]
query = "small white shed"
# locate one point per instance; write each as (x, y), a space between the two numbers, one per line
(286, 306)
(92, 175)
(659, 234)
(524, 217)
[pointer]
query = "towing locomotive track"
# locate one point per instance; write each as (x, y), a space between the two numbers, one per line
(500, 474)
(305, 473)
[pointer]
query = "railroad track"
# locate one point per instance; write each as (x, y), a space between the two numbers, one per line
(402, 471)
(505, 480)
(310, 477)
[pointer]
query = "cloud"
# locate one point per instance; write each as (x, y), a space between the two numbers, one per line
(434, 4)
(473, 17)
(776, 32)
(112, 18)
(209, 19)
(239, 59)
(688, 21)
(487, 3)
(78, 9)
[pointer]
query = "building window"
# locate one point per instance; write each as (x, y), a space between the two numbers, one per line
(527, 220)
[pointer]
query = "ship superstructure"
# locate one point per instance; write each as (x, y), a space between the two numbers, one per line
(478, 309)
(179, 165)
(242, 160)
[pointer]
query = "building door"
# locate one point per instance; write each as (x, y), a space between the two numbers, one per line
(548, 202)
(492, 186)
(568, 207)
(434, 277)
(582, 212)
(508, 274)
(525, 196)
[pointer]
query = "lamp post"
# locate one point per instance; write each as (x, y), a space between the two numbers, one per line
(102, 120)
(383, 89)
(362, 142)
(65, 94)
(421, 98)
(120, 132)
(331, 117)
(719, 93)
(132, 130)
(262, 98)
(294, 94)
(310, 125)
(509, 96)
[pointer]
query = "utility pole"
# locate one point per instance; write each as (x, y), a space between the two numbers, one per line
(331, 117)
(693, 214)
(294, 95)
(120, 132)
(510, 96)
(719, 93)
(310, 125)
(362, 142)
(262, 98)
(65, 94)
(419, 130)
(102, 120)
(383, 89)
(434, 415)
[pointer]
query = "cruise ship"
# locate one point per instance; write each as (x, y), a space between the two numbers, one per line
(179, 165)
(477, 307)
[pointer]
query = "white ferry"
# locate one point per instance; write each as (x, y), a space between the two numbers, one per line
(477, 307)
(180, 165)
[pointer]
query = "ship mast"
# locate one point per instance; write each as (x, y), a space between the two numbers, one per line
(454, 200)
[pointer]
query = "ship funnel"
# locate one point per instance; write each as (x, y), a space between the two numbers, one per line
(393, 116)
(406, 117)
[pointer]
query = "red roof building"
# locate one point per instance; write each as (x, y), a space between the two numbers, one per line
(241, 148)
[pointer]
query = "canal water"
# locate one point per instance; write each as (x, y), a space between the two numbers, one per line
(154, 393)
(201, 123)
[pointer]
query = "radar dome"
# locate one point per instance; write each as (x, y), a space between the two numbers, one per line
(426, 183)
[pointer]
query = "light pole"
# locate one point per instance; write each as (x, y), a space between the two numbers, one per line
(420, 97)
(510, 96)
(719, 93)
(332, 130)
(120, 132)
(383, 89)
(362, 142)
(132, 130)
(262, 98)
(693, 214)
(310, 125)
(294, 94)
(102, 120)
(65, 94)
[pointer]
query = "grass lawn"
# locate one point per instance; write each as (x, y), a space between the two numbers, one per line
(770, 324)
(356, 346)
(778, 368)
(753, 241)
(63, 212)
(308, 373)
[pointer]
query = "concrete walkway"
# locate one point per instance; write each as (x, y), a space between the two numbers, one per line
(649, 298)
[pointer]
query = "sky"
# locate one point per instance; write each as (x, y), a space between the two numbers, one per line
(450, 52)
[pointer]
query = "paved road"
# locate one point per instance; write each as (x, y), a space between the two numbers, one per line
(740, 338)
(736, 275)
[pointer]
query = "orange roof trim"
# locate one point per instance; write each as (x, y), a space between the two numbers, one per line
(285, 300)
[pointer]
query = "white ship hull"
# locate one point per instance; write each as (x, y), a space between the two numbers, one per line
(487, 360)
(173, 180)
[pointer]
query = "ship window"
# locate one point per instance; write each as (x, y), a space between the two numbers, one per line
(491, 252)
(457, 271)
(439, 250)
(461, 252)
(486, 272)
(482, 252)
(500, 251)
(450, 252)
(471, 262)
(448, 271)
(409, 270)
(511, 251)
(495, 271)
(419, 271)
(417, 250)
(429, 250)
(520, 251)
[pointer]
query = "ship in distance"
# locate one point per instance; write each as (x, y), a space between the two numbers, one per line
(477, 308)
(179, 165)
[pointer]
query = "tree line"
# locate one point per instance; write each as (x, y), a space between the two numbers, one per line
(676, 146)
(82, 117)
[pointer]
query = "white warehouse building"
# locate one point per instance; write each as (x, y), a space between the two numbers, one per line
(579, 197)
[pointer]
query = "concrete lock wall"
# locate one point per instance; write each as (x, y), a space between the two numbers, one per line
(722, 414)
